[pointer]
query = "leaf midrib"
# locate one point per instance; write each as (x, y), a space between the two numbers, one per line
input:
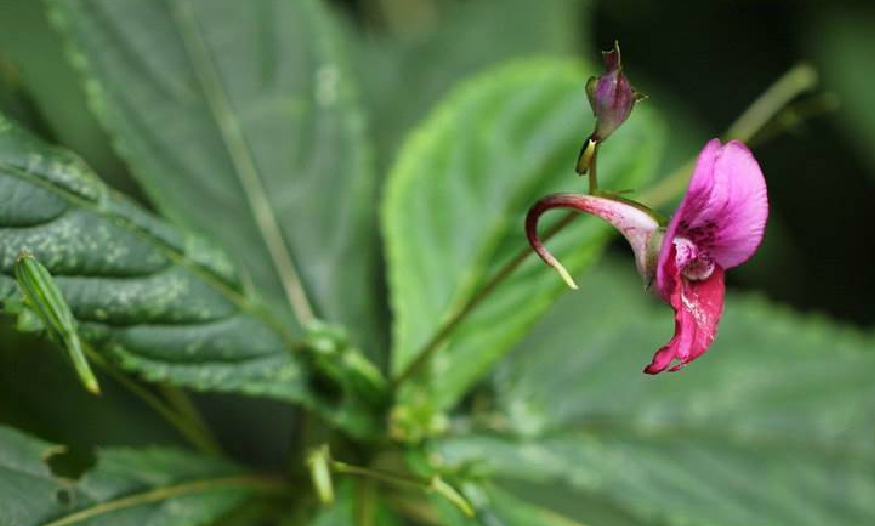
(241, 157)
(191, 487)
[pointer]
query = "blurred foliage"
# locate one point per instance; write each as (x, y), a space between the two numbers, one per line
(258, 86)
(843, 42)
(34, 52)
(273, 124)
(740, 439)
(199, 489)
(403, 70)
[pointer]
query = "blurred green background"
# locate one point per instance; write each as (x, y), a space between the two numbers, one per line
(702, 63)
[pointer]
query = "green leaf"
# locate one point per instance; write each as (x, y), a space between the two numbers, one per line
(58, 100)
(842, 41)
(126, 486)
(157, 300)
(454, 213)
(43, 296)
(239, 119)
(465, 38)
(772, 426)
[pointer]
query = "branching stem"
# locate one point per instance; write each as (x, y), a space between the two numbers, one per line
(198, 436)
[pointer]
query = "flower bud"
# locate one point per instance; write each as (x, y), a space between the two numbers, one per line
(611, 96)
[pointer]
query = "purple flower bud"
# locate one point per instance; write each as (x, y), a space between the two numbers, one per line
(610, 96)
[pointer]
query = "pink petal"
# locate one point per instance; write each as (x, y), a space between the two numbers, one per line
(724, 210)
(698, 306)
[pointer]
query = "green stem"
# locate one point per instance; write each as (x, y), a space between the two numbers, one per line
(182, 404)
(796, 81)
(256, 483)
(593, 180)
(428, 485)
(187, 429)
(482, 293)
(381, 475)
(746, 127)
(799, 79)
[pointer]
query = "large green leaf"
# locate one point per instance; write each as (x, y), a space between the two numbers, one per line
(157, 300)
(454, 212)
(127, 486)
(772, 426)
(239, 120)
(842, 40)
(462, 39)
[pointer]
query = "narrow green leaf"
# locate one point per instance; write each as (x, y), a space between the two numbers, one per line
(126, 486)
(239, 119)
(45, 299)
(453, 217)
(772, 426)
(154, 299)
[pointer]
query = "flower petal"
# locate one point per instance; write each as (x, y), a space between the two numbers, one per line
(698, 305)
(724, 210)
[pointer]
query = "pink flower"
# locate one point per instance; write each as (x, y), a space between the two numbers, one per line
(718, 225)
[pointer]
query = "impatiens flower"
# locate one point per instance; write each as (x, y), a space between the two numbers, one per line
(611, 98)
(718, 225)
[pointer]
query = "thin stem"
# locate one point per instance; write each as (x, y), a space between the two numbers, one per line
(746, 127)
(189, 431)
(183, 405)
(795, 114)
(366, 511)
(796, 81)
(256, 483)
(799, 79)
(593, 180)
(429, 485)
(241, 157)
(447, 328)
(381, 475)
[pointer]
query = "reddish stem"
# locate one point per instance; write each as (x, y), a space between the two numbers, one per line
(577, 202)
